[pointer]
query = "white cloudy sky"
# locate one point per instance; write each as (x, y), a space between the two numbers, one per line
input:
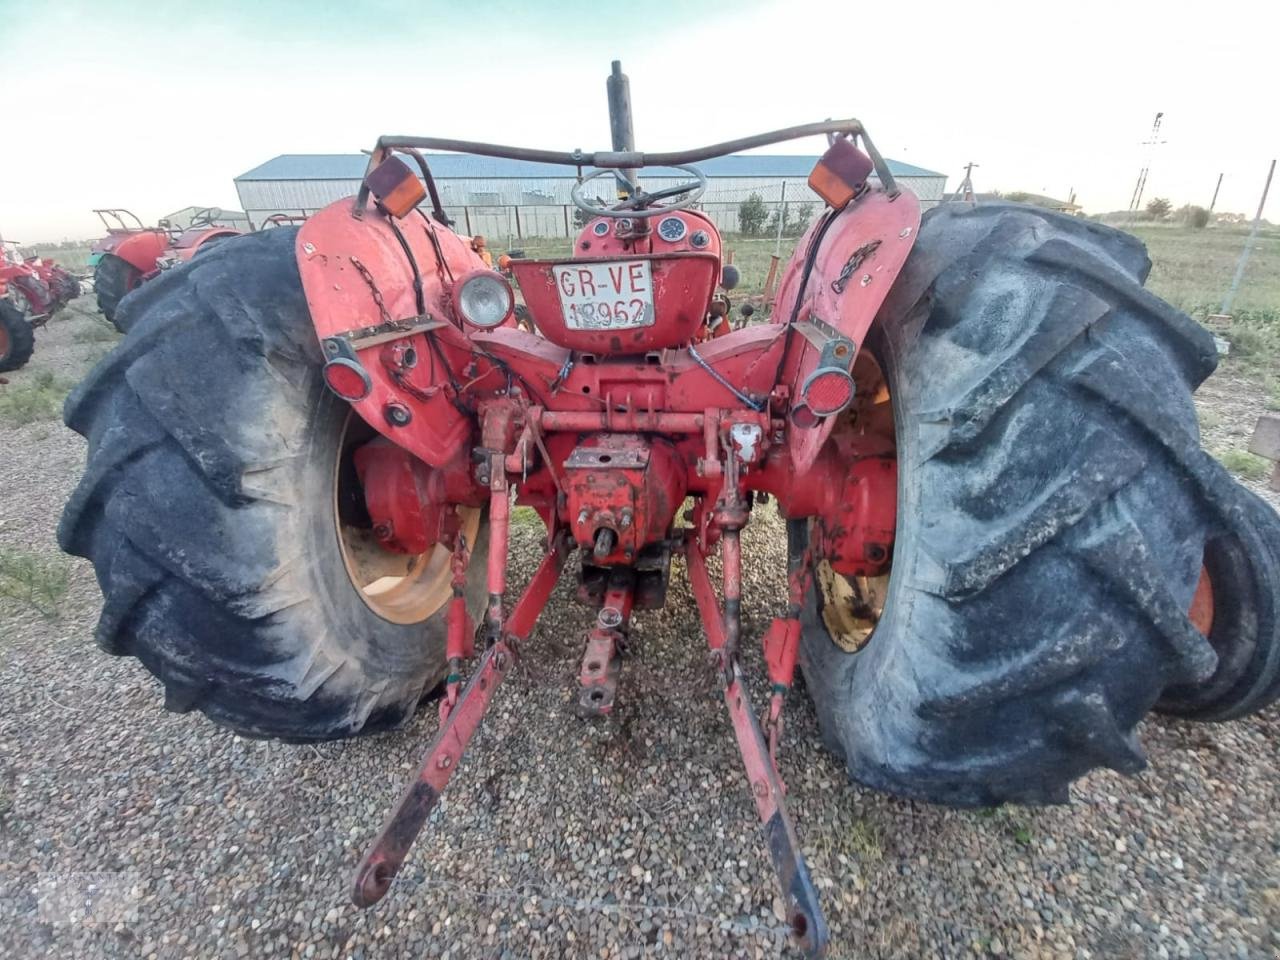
(158, 105)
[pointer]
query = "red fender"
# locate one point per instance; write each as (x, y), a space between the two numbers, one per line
(140, 250)
(874, 234)
(190, 241)
(347, 266)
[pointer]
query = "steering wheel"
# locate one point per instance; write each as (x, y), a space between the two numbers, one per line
(205, 217)
(635, 206)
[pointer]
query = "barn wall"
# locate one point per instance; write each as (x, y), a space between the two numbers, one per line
(488, 205)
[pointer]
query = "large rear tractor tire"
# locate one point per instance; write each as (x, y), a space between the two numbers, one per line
(1055, 514)
(17, 338)
(114, 277)
(218, 509)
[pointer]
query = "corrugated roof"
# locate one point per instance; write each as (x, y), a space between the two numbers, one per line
(342, 166)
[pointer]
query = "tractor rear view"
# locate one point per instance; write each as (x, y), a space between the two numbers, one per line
(1005, 545)
(131, 253)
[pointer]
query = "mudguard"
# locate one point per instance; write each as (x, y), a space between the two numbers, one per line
(139, 250)
(859, 255)
(191, 240)
(356, 275)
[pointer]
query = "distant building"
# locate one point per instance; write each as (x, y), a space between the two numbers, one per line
(517, 198)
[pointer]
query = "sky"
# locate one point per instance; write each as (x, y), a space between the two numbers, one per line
(157, 106)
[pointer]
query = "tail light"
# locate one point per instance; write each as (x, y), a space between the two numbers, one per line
(347, 379)
(483, 298)
(827, 391)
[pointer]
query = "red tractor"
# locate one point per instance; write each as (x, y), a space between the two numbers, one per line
(131, 254)
(1005, 545)
(32, 290)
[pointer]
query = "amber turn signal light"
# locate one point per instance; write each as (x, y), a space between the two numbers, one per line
(840, 173)
(395, 187)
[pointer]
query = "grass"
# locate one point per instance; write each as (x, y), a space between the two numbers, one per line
(1209, 419)
(526, 517)
(97, 332)
(71, 255)
(864, 840)
(33, 581)
(39, 398)
(1012, 820)
(1192, 269)
(1245, 464)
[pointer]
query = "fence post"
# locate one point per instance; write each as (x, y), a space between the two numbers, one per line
(466, 216)
(516, 208)
(1248, 244)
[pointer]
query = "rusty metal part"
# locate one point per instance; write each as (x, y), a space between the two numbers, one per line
(499, 531)
(525, 613)
(621, 494)
(632, 159)
(384, 858)
(705, 595)
(601, 661)
(722, 626)
(804, 914)
(386, 332)
(852, 264)
(460, 638)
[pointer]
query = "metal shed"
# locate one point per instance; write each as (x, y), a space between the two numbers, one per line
(517, 198)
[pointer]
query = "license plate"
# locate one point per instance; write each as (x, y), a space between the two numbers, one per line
(605, 296)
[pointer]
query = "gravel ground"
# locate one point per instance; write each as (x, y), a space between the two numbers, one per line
(559, 838)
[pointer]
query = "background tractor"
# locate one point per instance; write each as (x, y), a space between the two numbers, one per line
(1005, 545)
(131, 253)
(32, 290)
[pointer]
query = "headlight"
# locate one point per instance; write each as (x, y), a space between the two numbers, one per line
(483, 298)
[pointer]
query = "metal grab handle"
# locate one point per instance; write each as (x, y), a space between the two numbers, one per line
(629, 159)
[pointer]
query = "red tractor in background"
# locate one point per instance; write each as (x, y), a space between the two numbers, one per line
(32, 290)
(131, 253)
(1005, 545)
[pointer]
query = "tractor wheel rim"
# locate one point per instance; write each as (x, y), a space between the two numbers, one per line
(1200, 612)
(852, 606)
(398, 587)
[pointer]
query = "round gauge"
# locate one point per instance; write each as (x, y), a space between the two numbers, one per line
(601, 228)
(672, 229)
(700, 238)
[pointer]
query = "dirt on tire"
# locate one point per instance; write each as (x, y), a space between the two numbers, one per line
(208, 509)
(1054, 508)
